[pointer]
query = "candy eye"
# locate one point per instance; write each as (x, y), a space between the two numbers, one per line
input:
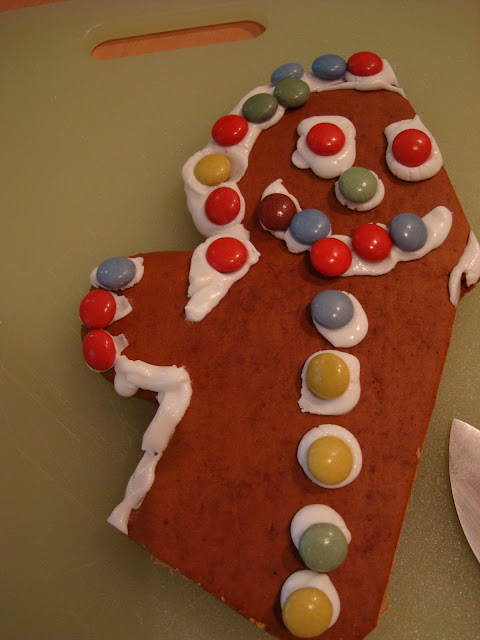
(284, 71)
(309, 225)
(226, 254)
(229, 130)
(310, 603)
(99, 350)
(411, 147)
(329, 67)
(115, 273)
(359, 189)
(339, 317)
(276, 211)
(330, 456)
(321, 537)
(330, 257)
(212, 169)
(364, 63)
(97, 309)
(408, 231)
(330, 383)
(222, 205)
(292, 93)
(412, 152)
(366, 71)
(259, 108)
(371, 242)
(326, 145)
(327, 375)
(215, 266)
(332, 309)
(325, 139)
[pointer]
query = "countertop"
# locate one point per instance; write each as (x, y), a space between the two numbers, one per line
(90, 167)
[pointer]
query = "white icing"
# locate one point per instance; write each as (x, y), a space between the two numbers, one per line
(293, 245)
(317, 85)
(138, 486)
(320, 581)
(174, 391)
(362, 206)
(120, 343)
(197, 193)
(238, 155)
(325, 166)
(412, 174)
(438, 223)
(468, 265)
(316, 514)
(352, 333)
(136, 279)
(207, 286)
(338, 432)
(311, 403)
(277, 186)
(384, 79)
(123, 307)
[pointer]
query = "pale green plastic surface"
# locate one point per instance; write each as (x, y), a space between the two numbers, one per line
(91, 153)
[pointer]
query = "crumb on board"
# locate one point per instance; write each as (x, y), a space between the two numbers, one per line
(260, 625)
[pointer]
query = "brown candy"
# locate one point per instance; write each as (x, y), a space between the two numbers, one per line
(276, 211)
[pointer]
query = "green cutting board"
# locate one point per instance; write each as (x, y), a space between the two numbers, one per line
(91, 153)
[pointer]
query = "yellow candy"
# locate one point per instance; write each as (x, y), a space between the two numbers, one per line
(212, 169)
(328, 375)
(307, 612)
(329, 460)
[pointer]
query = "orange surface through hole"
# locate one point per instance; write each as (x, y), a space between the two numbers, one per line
(164, 41)
(180, 39)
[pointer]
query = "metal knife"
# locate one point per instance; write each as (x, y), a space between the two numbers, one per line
(464, 464)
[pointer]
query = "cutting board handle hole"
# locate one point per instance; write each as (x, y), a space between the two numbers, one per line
(180, 39)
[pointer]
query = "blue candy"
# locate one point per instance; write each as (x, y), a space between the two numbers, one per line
(329, 67)
(115, 273)
(408, 232)
(332, 309)
(288, 70)
(309, 225)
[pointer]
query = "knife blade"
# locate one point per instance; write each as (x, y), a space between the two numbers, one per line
(464, 466)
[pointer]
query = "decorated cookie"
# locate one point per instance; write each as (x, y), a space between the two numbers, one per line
(334, 256)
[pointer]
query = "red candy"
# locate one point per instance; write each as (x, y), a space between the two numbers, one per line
(325, 139)
(222, 205)
(330, 257)
(99, 350)
(226, 254)
(276, 211)
(371, 242)
(364, 63)
(97, 309)
(229, 130)
(411, 147)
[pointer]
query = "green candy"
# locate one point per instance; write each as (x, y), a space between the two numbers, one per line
(323, 547)
(292, 92)
(259, 107)
(357, 184)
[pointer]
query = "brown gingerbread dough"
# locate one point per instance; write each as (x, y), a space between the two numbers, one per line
(228, 485)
